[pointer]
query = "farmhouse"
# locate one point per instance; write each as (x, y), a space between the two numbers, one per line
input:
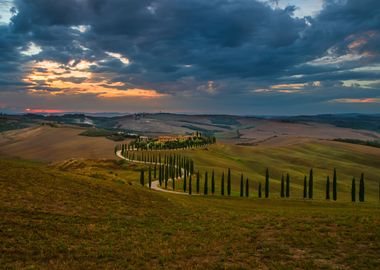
(144, 138)
(174, 138)
(179, 137)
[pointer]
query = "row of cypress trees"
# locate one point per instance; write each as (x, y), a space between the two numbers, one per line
(170, 166)
(308, 188)
(283, 188)
(162, 167)
(164, 175)
(361, 189)
(198, 141)
(173, 166)
(225, 188)
(174, 160)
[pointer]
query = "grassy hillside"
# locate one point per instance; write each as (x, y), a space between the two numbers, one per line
(296, 159)
(236, 129)
(355, 121)
(45, 143)
(90, 214)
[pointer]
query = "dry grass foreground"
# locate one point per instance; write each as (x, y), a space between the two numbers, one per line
(91, 215)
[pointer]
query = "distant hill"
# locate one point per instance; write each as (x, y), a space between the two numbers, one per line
(238, 129)
(354, 121)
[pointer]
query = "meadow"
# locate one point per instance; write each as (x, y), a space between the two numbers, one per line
(295, 159)
(80, 214)
(49, 144)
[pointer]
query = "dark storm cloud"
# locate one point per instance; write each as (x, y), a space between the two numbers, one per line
(48, 13)
(10, 64)
(160, 36)
(179, 47)
(219, 38)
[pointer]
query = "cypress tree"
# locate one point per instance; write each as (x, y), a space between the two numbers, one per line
(213, 182)
(192, 167)
(222, 185)
(190, 185)
(259, 190)
(160, 174)
(197, 183)
(246, 188)
(206, 184)
(311, 184)
(282, 187)
(334, 186)
(155, 171)
(328, 188)
(287, 185)
(229, 182)
(184, 183)
(305, 187)
(361, 188)
(142, 177)
(267, 183)
(150, 177)
(166, 176)
(163, 172)
(353, 190)
(241, 186)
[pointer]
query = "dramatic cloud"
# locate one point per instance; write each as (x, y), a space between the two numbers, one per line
(241, 56)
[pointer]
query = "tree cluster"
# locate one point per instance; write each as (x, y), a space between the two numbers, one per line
(181, 142)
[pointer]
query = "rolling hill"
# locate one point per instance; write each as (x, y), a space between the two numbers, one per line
(74, 205)
(64, 217)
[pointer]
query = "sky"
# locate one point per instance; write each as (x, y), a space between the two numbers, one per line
(247, 57)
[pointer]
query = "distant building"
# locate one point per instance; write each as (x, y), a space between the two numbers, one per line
(144, 138)
(176, 138)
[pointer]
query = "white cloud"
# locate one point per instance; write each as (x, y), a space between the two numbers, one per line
(32, 49)
(123, 59)
(5, 11)
(304, 7)
(81, 28)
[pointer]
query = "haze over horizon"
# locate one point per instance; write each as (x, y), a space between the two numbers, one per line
(240, 57)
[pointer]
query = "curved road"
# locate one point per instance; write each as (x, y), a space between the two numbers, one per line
(155, 184)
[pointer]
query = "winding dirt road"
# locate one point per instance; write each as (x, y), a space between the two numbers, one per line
(155, 184)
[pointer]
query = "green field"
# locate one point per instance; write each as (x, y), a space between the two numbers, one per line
(87, 214)
(297, 160)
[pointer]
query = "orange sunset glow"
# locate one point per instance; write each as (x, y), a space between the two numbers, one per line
(30, 110)
(357, 100)
(76, 79)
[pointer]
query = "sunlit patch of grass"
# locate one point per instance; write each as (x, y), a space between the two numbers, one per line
(296, 160)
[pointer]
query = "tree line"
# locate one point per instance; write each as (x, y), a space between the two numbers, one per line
(163, 167)
(331, 187)
(157, 144)
(166, 167)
